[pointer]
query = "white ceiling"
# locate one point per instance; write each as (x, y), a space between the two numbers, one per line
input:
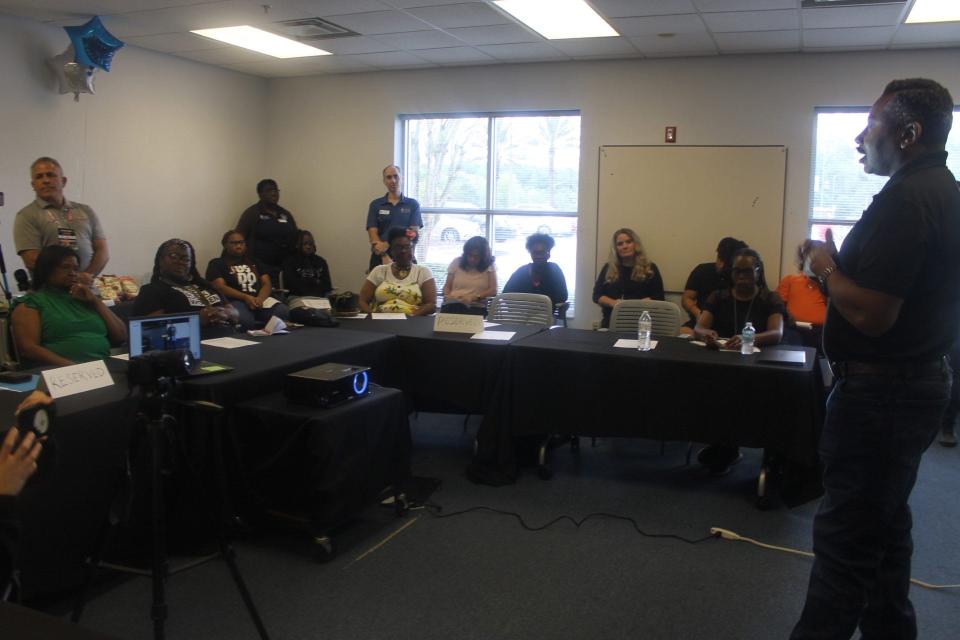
(407, 34)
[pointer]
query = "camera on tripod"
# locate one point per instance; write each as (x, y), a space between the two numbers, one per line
(148, 368)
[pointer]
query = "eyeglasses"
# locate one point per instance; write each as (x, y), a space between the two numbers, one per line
(745, 271)
(179, 257)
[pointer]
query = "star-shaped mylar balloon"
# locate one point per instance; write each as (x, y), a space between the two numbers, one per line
(73, 78)
(93, 43)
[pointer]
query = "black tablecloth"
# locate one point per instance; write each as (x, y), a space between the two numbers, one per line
(330, 461)
(444, 372)
(63, 506)
(572, 381)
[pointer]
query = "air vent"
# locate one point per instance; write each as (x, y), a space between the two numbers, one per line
(820, 4)
(313, 29)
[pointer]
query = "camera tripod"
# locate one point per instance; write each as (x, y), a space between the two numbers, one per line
(155, 419)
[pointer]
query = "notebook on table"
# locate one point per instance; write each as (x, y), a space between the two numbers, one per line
(787, 357)
(168, 332)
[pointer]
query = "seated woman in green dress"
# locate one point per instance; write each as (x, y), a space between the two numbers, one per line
(61, 322)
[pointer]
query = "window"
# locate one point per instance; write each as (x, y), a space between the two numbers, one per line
(839, 189)
(501, 176)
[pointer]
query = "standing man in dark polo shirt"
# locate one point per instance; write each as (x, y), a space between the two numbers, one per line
(51, 219)
(392, 210)
(894, 303)
(269, 229)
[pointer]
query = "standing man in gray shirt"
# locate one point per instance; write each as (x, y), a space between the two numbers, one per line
(52, 219)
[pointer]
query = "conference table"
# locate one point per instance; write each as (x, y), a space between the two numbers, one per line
(576, 382)
(539, 382)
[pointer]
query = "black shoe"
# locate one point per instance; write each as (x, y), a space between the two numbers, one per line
(726, 458)
(947, 437)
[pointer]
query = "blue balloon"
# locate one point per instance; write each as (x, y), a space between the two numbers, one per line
(94, 45)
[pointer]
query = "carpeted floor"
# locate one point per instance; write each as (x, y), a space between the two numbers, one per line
(481, 575)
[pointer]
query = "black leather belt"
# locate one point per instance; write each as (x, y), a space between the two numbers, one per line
(898, 369)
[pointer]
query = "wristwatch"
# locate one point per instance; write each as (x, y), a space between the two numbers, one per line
(822, 278)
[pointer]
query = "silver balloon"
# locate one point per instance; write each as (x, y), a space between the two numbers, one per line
(73, 77)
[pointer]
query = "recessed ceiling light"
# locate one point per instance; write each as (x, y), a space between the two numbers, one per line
(261, 41)
(934, 11)
(558, 19)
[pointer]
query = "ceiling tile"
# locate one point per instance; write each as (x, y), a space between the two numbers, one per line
(680, 44)
(377, 22)
(687, 23)
(300, 67)
(225, 55)
(592, 47)
(866, 36)
(354, 44)
(409, 4)
(744, 5)
(629, 8)
(393, 59)
(497, 34)
(884, 15)
(752, 21)
(433, 39)
(758, 41)
(937, 35)
(471, 14)
(526, 52)
(323, 8)
(454, 55)
(172, 42)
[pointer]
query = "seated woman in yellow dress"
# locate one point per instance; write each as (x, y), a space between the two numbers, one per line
(401, 286)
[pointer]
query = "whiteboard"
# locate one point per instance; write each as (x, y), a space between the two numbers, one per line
(681, 200)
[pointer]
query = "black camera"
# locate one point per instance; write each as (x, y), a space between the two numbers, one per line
(148, 368)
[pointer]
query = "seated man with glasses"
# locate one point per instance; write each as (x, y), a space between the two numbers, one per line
(724, 315)
(176, 287)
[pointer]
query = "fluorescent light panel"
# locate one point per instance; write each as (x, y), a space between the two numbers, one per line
(261, 41)
(558, 19)
(934, 11)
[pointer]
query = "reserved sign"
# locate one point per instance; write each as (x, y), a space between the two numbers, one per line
(458, 323)
(77, 378)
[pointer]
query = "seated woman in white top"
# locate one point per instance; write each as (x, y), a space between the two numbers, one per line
(471, 279)
(401, 286)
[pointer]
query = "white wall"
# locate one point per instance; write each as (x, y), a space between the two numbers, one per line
(330, 136)
(165, 148)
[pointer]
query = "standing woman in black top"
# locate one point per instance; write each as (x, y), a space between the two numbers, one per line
(628, 275)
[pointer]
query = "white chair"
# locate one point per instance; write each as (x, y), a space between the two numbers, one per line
(665, 316)
(521, 308)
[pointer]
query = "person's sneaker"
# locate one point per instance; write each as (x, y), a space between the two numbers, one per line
(728, 457)
(947, 437)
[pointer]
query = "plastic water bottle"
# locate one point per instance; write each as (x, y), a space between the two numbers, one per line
(644, 325)
(746, 339)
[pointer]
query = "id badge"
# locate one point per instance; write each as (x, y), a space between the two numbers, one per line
(67, 237)
(384, 212)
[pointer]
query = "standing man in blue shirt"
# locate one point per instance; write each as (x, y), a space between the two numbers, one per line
(392, 210)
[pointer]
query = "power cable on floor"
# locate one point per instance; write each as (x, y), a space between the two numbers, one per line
(726, 534)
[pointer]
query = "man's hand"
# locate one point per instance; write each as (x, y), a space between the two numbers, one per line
(18, 461)
(381, 247)
(821, 254)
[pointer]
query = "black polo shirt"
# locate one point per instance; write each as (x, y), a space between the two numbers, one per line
(907, 245)
(384, 216)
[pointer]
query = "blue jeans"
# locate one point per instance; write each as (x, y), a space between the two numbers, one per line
(876, 429)
(252, 319)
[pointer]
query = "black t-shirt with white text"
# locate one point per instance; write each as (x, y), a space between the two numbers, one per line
(243, 276)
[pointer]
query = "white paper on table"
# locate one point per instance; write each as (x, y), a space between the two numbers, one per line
(76, 378)
(487, 325)
(388, 316)
(805, 325)
(269, 302)
(493, 335)
(228, 343)
(122, 356)
(627, 343)
(699, 343)
(316, 303)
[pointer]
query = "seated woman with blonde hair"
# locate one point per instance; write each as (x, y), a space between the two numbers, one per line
(628, 275)
(61, 322)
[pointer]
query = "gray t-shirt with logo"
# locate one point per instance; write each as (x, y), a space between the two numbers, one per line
(42, 224)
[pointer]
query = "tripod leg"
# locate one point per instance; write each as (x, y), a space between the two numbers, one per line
(230, 557)
(158, 610)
